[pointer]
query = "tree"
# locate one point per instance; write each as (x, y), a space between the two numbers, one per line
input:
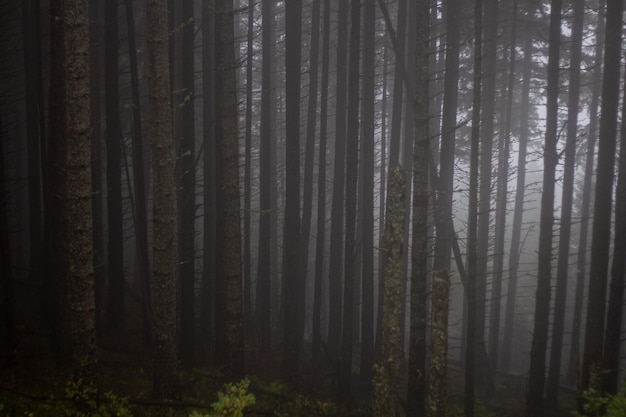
(566, 206)
(165, 384)
(386, 373)
(600, 238)
(367, 189)
(416, 394)
(472, 216)
(612, 337)
(536, 375)
(350, 249)
(116, 311)
(264, 282)
(70, 159)
(229, 292)
(186, 195)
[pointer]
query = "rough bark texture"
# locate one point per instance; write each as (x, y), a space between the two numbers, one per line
(536, 374)
(601, 235)
(165, 384)
(386, 374)
(70, 153)
(416, 395)
(229, 292)
(438, 398)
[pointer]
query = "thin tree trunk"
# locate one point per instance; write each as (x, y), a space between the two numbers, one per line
(472, 217)
(536, 374)
(186, 196)
(352, 144)
(321, 192)
(367, 190)
(439, 335)
(141, 209)
(581, 261)
(560, 293)
(264, 280)
(516, 228)
(116, 311)
(337, 209)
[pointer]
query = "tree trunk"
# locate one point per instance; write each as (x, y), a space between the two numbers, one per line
(612, 338)
(264, 280)
(367, 197)
(186, 195)
(337, 209)
(163, 160)
(560, 293)
(416, 395)
(386, 373)
(600, 238)
(439, 335)
(321, 192)
(141, 209)
(116, 311)
(472, 217)
(516, 228)
(291, 243)
(536, 374)
(229, 302)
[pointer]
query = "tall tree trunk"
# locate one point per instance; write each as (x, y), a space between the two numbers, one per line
(116, 311)
(367, 198)
(560, 293)
(33, 143)
(600, 238)
(6, 275)
(247, 205)
(485, 378)
(472, 216)
(209, 173)
(139, 177)
(264, 280)
(516, 228)
(186, 195)
(501, 200)
(321, 192)
(291, 243)
(612, 338)
(307, 202)
(352, 145)
(164, 210)
(71, 160)
(581, 261)
(448, 131)
(536, 374)
(337, 209)
(229, 302)
(416, 394)
(386, 373)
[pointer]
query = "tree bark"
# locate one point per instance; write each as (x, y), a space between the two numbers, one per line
(536, 374)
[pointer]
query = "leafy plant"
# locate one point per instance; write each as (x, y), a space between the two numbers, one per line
(231, 401)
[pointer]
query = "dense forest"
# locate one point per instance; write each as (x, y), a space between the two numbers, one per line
(312, 207)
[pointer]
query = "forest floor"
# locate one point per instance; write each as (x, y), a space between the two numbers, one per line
(33, 386)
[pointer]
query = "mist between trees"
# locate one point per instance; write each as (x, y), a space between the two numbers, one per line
(403, 206)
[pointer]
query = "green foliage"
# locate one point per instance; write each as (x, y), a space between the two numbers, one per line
(278, 400)
(480, 410)
(599, 404)
(80, 400)
(231, 401)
